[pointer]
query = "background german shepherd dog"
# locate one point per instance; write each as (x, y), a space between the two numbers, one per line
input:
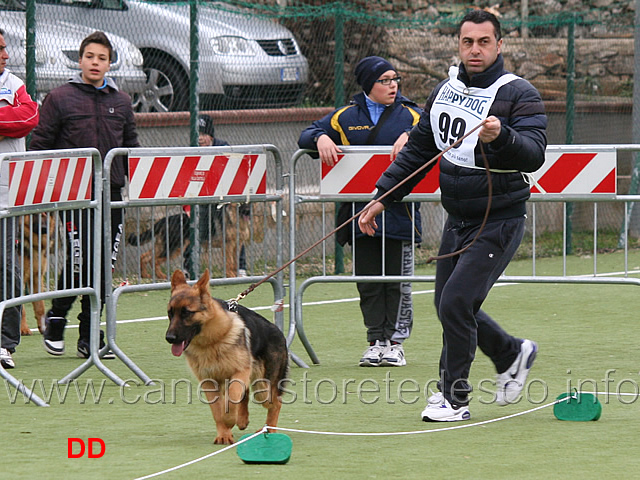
(38, 233)
(175, 228)
(228, 352)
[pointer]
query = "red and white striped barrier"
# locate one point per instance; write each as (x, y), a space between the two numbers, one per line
(357, 173)
(577, 173)
(42, 181)
(182, 176)
(567, 173)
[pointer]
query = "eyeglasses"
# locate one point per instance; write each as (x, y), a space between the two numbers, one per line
(387, 81)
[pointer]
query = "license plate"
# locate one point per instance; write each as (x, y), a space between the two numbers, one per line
(289, 74)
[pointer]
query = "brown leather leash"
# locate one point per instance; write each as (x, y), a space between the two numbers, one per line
(484, 220)
(233, 303)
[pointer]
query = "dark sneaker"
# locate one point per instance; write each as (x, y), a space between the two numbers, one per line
(84, 350)
(54, 335)
(6, 359)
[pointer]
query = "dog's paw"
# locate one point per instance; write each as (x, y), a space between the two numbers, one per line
(25, 331)
(243, 422)
(224, 439)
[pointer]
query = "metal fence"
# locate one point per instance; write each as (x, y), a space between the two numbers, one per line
(583, 176)
(266, 62)
(233, 196)
(203, 55)
(44, 197)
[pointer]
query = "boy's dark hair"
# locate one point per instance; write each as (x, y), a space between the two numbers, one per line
(481, 16)
(1, 32)
(99, 38)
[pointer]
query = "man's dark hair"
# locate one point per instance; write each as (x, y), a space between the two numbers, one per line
(1, 32)
(99, 38)
(481, 16)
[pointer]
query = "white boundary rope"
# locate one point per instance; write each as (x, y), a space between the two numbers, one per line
(376, 434)
(418, 432)
(177, 467)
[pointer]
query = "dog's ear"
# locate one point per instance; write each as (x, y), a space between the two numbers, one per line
(203, 283)
(177, 278)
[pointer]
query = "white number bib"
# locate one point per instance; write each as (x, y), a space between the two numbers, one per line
(459, 108)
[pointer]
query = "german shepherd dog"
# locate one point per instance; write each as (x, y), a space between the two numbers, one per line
(175, 229)
(237, 221)
(228, 352)
(38, 233)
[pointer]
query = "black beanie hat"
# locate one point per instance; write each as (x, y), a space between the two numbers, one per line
(369, 70)
(205, 125)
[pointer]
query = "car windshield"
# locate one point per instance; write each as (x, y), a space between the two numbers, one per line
(12, 5)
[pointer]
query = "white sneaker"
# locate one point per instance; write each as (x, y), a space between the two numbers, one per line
(444, 412)
(393, 356)
(372, 355)
(6, 359)
(242, 272)
(435, 398)
(510, 383)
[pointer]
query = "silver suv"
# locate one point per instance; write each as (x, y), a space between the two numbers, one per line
(244, 61)
(57, 47)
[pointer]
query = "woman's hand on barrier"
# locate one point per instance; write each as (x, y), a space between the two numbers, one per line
(327, 150)
(367, 219)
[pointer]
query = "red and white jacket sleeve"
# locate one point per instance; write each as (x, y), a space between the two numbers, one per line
(18, 112)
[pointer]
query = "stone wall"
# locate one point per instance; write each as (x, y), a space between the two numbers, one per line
(604, 67)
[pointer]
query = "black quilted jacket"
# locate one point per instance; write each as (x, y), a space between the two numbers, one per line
(464, 191)
(77, 115)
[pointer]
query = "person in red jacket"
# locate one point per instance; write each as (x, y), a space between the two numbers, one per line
(18, 116)
(87, 111)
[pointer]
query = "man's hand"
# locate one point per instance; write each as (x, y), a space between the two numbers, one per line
(490, 130)
(2, 137)
(327, 150)
(367, 219)
(397, 146)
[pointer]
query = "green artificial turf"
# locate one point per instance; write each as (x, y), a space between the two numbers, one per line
(583, 332)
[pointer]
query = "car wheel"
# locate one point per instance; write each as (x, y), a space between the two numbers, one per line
(167, 88)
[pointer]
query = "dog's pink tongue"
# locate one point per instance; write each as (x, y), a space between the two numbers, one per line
(177, 349)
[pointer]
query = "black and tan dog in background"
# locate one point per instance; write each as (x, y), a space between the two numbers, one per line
(229, 353)
(38, 234)
(171, 237)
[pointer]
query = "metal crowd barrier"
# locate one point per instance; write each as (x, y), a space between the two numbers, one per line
(214, 182)
(571, 174)
(42, 195)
